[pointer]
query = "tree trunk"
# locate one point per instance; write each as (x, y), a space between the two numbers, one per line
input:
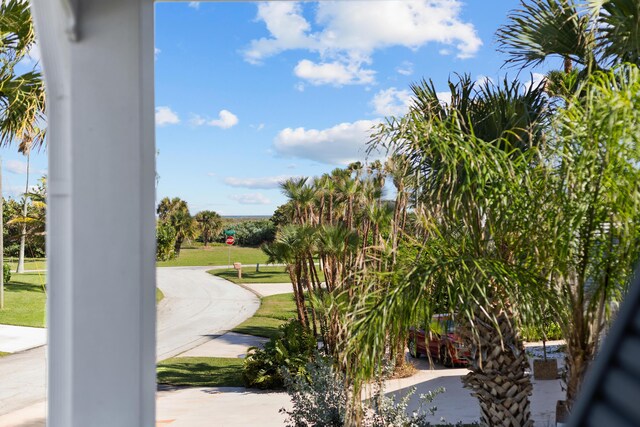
(176, 246)
(23, 235)
(497, 376)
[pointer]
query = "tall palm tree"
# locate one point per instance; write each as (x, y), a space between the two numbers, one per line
(176, 213)
(209, 224)
(592, 229)
(22, 96)
(468, 254)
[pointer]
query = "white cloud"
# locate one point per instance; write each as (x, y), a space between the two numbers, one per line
(165, 116)
(287, 27)
(156, 52)
(536, 79)
(481, 81)
(299, 87)
(15, 191)
(349, 33)
(444, 97)
(260, 127)
(334, 73)
(391, 102)
(264, 183)
(406, 68)
(250, 199)
(15, 166)
(338, 145)
(194, 4)
(197, 120)
(226, 119)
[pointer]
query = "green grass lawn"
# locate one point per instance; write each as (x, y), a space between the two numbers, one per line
(29, 263)
(2, 354)
(274, 311)
(250, 275)
(24, 300)
(159, 295)
(216, 255)
(201, 371)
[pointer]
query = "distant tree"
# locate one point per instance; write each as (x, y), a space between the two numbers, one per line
(31, 224)
(175, 212)
(209, 224)
(22, 96)
(283, 215)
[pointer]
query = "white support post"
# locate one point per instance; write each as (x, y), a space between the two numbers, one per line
(101, 223)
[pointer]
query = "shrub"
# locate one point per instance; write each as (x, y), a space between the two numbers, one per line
(534, 333)
(292, 350)
(165, 241)
(320, 399)
(251, 233)
(6, 273)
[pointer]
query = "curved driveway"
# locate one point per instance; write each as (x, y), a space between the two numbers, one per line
(196, 308)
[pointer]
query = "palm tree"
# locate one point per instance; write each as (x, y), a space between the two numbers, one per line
(468, 254)
(22, 96)
(592, 229)
(590, 34)
(209, 224)
(176, 213)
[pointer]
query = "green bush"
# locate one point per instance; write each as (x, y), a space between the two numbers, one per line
(291, 351)
(165, 241)
(251, 233)
(6, 272)
(535, 333)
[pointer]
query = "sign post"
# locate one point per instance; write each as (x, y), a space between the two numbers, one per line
(230, 240)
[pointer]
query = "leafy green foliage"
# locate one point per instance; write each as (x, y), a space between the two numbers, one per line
(6, 273)
(593, 34)
(22, 96)
(165, 241)
(175, 213)
(320, 399)
(291, 351)
(34, 221)
(551, 331)
(209, 225)
(252, 233)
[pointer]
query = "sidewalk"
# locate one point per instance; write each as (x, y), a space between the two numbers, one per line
(20, 338)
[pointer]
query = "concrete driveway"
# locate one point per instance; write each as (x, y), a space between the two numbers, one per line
(197, 308)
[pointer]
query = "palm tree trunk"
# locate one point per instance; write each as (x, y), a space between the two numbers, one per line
(497, 376)
(23, 235)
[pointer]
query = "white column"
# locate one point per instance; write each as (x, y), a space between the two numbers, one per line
(101, 265)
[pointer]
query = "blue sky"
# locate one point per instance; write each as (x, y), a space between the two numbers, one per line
(248, 94)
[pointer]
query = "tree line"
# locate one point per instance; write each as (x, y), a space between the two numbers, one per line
(176, 226)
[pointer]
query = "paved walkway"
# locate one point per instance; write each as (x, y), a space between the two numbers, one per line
(268, 289)
(20, 338)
